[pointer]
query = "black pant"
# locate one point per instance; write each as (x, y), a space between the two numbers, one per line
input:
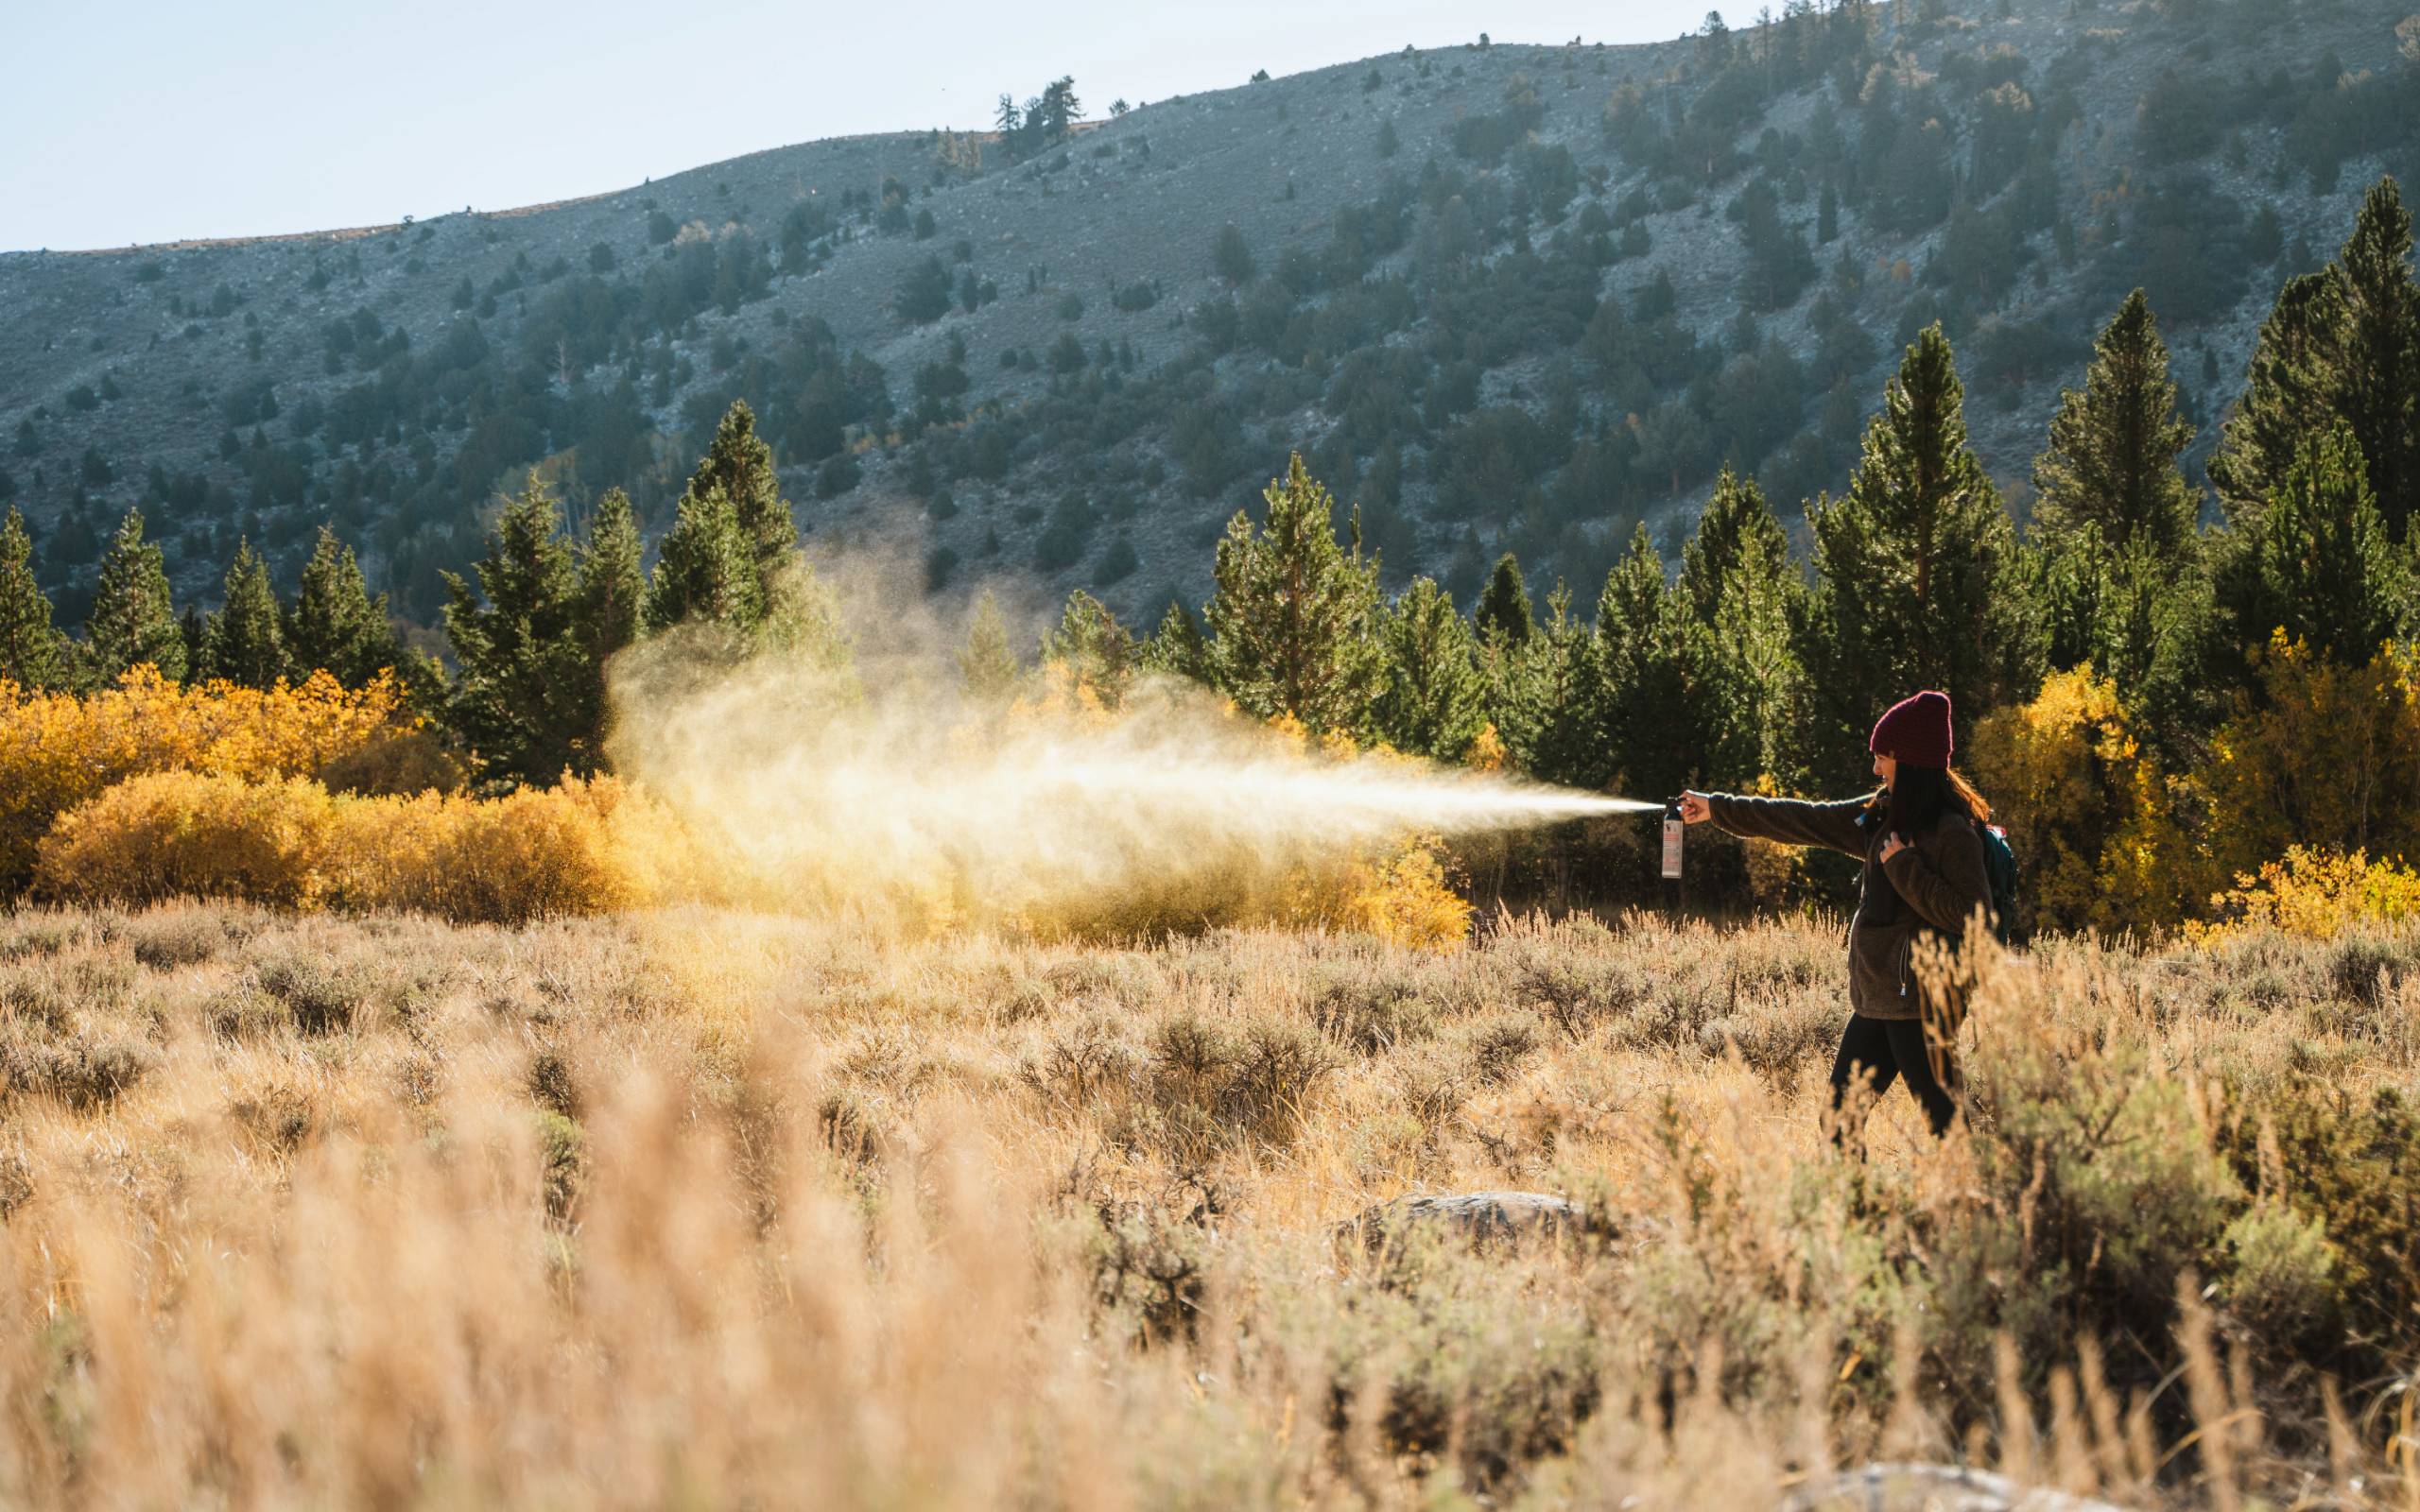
(1880, 1050)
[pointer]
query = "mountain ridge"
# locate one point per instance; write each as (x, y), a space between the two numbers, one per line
(1134, 463)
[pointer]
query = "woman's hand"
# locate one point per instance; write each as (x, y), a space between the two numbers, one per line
(1695, 809)
(1893, 844)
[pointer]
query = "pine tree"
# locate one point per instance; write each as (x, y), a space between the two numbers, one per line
(31, 654)
(1914, 581)
(2315, 564)
(133, 620)
(612, 582)
(1293, 616)
(1639, 647)
(1097, 653)
(1740, 594)
(2114, 445)
(986, 669)
(1231, 256)
(526, 697)
(611, 592)
(741, 464)
(2378, 351)
(2288, 393)
(194, 630)
(1434, 704)
(707, 571)
(244, 642)
(335, 624)
(1735, 521)
(1547, 699)
(2342, 343)
(1176, 649)
(1503, 613)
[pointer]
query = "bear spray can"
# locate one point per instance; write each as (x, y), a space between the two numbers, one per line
(1672, 831)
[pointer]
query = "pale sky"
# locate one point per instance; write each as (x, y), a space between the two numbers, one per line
(154, 120)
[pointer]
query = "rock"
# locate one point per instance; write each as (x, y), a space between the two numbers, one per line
(1931, 1488)
(1480, 1219)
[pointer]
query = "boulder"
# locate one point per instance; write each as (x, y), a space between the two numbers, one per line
(1480, 1219)
(1930, 1489)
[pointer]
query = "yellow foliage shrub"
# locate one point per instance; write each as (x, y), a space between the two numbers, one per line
(2326, 758)
(2315, 894)
(1773, 869)
(1487, 752)
(57, 751)
(1402, 899)
(534, 854)
(577, 847)
(2088, 810)
(176, 834)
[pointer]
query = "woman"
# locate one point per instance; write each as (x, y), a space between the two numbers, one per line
(1923, 878)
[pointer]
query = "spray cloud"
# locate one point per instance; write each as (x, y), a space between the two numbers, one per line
(811, 785)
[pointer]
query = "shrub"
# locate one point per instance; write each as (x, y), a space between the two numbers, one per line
(83, 1071)
(577, 847)
(2088, 810)
(535, 853)
(317, 998)
(2315, 894)
(2327, 756)
(57, 751)
(184, 835)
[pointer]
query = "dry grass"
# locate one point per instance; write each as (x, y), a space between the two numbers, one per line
(720, 1208)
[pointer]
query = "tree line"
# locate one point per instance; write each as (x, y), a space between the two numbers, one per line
(1753, 664)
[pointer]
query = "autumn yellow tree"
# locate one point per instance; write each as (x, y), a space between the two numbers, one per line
(2091, 814)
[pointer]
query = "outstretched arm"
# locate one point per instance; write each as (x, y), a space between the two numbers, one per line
(1791, 821)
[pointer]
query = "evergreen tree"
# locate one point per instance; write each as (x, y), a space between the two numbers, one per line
(1097, 653)
(1735, 521)
(740, 463)
(2378, 351)
(707, 571)
(1434, 704)
(612, 582)
(133, 621)
(243, 643)
(2342, 343)
(1547, 699)
(1914, 586)
(1503, 613)
(613, 593)
(335, 624)
(1293, 616)
(194, 630)
(1739, 595)
(2315, 564)
(2114, 445)
(986, 669)
(1176, 649)
(1645, 714)
(2288, 393)
(526, 697)
(31, 653)
(1231, 256)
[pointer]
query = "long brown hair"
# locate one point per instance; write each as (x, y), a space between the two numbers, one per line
(1921, 795)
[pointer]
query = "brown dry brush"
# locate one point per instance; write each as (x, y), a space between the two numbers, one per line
(727, 1208)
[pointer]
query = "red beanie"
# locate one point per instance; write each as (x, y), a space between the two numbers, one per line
(1915, 732)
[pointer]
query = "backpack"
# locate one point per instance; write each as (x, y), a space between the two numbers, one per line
(1999, 870)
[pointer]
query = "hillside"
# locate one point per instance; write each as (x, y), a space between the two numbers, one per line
(1506, 297)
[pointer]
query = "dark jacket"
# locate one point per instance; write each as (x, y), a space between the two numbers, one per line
(1929, 889)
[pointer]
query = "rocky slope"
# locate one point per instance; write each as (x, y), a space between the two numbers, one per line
(258, 387)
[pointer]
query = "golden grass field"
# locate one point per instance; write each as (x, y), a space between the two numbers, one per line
(705, 1209)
